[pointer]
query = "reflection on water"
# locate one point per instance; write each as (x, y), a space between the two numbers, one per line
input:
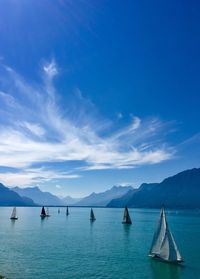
(12, 226)
(162, 270)
(127, 237)
(91, 226)
(126, 229)
(42, 220)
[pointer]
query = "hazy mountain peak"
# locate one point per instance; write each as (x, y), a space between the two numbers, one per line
(103, 198)
(178, 191)
(11, 198)
(39, 197)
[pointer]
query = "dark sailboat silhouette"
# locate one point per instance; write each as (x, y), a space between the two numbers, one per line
(126, 218)
(92, 217)
(163, 246)
(67, 211)
(43, 213)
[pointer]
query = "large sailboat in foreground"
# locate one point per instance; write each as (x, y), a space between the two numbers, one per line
(163, 245)
(14, 214)
(92, 217)
(126, 218)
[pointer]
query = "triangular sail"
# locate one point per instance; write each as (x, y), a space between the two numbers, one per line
(163, 245)
(159, 234)
(126, 218)
(92, 217)
(43, 212)
(169, 250)
(47, 212)
(14, 213)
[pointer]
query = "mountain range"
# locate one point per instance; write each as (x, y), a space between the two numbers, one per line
(69, 200)
(11, 198)
(38, 196)
(179, 191)
(103, 198)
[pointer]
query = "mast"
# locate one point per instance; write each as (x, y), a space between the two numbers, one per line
(126, 218)
(163, 245)
(92, 217)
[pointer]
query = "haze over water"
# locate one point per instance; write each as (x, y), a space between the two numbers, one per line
(72, 247)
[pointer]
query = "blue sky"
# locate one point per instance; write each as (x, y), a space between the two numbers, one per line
(98, 93)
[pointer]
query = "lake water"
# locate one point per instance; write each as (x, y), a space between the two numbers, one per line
(71, 247)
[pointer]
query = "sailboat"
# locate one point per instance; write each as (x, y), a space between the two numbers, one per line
(43, 213)
(126, 218)
(67, 211)
(163, 245)
(47, 212)
(14, 214)
(92, 217)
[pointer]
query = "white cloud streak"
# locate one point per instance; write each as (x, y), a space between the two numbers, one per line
(35, 175)
(37, 130)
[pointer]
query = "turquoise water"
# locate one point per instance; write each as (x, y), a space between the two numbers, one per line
(72, 247)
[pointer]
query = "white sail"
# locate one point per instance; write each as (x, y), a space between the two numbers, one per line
(159, 234)
(47, 211)
(14, 213)
(169, 250)
(163, 245)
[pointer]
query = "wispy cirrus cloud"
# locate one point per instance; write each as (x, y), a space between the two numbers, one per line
(34, 175)
(37, 130)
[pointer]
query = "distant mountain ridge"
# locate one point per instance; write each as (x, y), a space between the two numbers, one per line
(38, 196)
(179, 191)
(103, 198)
(69, 200)
(123, 200)
(11, 198)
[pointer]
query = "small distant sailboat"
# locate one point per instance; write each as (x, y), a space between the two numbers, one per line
(67, 211)
(163, 245)
(43, 213)
(47, 212)
(126, 218)
(92, 217)
(14, 214)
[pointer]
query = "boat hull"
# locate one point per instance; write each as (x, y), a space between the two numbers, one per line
(43, 216)
(157, 258)
(13, 218)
